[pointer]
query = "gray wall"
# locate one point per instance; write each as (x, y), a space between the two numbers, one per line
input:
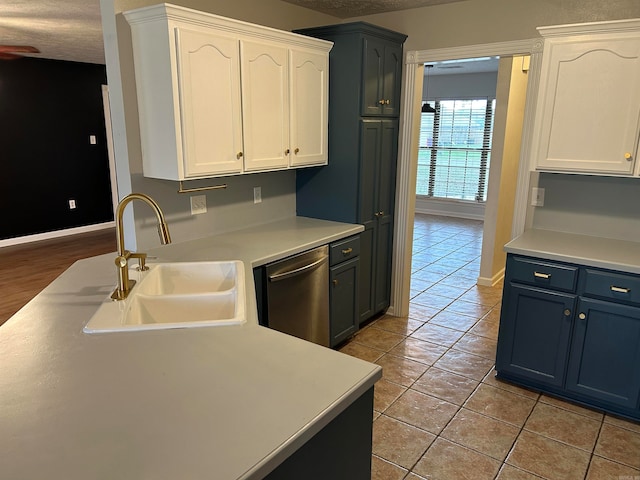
(590, 205)
(470, 85)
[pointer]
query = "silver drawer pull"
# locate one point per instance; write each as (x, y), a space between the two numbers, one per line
(545, 276)
(620, 289)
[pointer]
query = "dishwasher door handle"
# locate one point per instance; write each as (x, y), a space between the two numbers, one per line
(292, 273)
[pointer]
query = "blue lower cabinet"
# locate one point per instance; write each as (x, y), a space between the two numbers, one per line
(579, 341)
(344, 288)
(343, 283)
(534, 341)
(605, 353)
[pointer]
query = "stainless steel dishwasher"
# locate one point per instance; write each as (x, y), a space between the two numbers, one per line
(298, 295)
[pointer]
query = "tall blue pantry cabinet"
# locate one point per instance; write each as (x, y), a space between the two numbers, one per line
(358, 185)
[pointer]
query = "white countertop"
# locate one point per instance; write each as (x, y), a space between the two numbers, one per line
(219, 402)
(599, 252)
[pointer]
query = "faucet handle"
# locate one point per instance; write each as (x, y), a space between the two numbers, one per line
(142, 261)
(121, 261)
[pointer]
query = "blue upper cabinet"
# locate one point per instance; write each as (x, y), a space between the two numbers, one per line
(382, 68)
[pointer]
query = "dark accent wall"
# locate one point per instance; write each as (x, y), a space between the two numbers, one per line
(48, 110)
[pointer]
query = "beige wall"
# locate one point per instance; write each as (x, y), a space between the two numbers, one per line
(503, 173)
(475, 22)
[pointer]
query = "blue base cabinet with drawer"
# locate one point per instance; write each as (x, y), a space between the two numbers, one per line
(573, 332)
(344, 277)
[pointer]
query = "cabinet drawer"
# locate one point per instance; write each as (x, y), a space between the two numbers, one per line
(612, 286)
(544, 274)
(344, 250)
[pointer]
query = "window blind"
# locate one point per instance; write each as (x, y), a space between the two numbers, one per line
(455, 149)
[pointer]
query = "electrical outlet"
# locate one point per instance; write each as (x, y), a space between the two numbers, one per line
(72, 204)
(198, 204)
(537, 197)
(257, 194)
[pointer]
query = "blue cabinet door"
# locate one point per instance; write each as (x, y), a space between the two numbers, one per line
(605, 353)
(535, 329)
(343, 289)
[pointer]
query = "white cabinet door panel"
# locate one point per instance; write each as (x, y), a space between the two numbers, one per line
(591, 106)
(208, 73)
(309, 92)
(265, 105)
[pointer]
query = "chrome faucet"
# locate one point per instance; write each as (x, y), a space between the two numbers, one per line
(122, 260)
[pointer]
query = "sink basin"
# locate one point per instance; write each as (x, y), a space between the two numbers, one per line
(189, 278)
(176, 295)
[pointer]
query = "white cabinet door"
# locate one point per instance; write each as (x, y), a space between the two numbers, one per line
(589, 104)
(209, 86)
(309, 101)
(265, 106)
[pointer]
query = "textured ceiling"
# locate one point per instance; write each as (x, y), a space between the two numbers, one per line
(356, 8)
(60, 29)
(72, 30)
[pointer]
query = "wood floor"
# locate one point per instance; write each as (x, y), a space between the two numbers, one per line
(28, 268)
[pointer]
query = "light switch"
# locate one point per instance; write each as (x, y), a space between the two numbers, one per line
(92, 139)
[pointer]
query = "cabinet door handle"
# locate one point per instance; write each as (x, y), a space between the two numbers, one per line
(335, 283)
(628, 157)
(347, 251)
(387, 102)
(582, 316)
(287, 151)
(620, 289)
(296, 151)
(239, 155)
(381, 102)
(567, 312)
(544, 276)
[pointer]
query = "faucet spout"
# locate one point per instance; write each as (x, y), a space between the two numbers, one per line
(122, 260)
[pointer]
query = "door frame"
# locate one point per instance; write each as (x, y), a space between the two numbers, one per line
(413, 75)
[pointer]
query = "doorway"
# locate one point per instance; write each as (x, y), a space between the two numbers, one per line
(408, 152)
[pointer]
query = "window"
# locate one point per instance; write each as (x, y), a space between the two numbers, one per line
(455, 149)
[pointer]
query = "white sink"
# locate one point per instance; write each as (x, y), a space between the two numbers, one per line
(176, 295)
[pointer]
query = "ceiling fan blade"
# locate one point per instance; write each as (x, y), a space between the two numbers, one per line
(18, 49)
(9, 56)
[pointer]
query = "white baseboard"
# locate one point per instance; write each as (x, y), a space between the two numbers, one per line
(493, 281)
(56, 234)
(450, 208)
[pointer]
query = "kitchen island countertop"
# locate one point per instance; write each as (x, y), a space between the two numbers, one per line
(227, 402)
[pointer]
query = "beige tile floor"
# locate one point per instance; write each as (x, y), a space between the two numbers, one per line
(440, 414)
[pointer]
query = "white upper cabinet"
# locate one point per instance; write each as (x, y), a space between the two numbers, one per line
(219, 97)
(309, 107)
(208, 74)
(265, 105)
(588, 108)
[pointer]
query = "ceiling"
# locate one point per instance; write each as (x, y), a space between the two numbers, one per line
(356, 8)
(72, 30)
(60, 29)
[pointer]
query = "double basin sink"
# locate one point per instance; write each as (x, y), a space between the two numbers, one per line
(177, 295)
